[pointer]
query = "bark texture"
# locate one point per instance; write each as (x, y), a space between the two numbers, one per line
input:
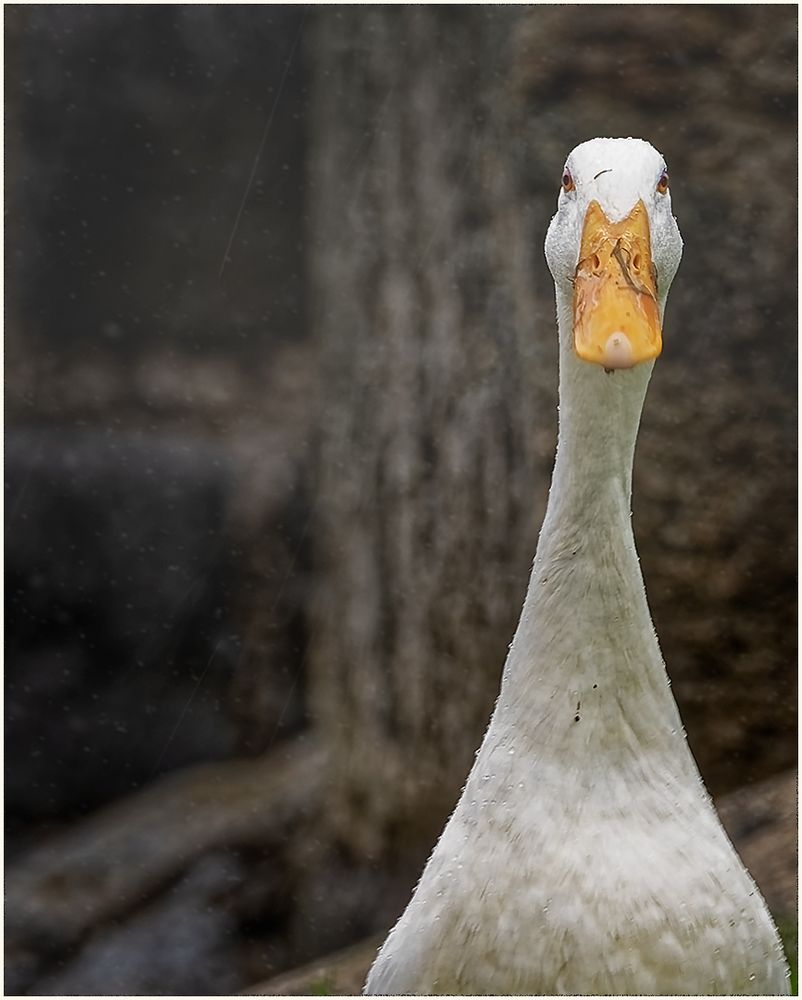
(422, 267)
(439, 142)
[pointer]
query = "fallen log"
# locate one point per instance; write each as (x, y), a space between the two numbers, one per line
(761, 820)
(110, 864)
(342, 973)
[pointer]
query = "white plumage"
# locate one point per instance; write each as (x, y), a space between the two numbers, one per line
(584, 855)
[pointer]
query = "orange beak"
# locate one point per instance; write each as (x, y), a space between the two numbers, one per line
(616, 316)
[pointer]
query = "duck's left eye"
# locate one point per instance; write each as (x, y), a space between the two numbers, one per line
(568, 181)
(662, 184)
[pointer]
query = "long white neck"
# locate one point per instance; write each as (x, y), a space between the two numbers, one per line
(585, 674)
(599, 415)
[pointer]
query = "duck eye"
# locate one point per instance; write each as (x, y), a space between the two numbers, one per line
(662, 184)
(568, 180)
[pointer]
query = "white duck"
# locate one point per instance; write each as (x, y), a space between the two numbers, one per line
(584, 855)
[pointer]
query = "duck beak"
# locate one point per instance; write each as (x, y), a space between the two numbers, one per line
(616, 316)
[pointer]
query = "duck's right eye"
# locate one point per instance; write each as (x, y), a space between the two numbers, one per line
(568, 180)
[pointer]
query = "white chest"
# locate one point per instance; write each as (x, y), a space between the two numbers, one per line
(581, 893)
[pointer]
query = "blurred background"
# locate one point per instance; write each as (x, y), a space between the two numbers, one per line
(281, 370)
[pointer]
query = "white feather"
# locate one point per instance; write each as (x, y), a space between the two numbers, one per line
(584, 855)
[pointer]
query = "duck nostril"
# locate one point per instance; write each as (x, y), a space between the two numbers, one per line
(636, 260)
(595, 262)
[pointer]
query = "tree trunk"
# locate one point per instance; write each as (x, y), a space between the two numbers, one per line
(422, 270)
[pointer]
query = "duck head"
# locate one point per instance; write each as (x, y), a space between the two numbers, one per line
(613, 248)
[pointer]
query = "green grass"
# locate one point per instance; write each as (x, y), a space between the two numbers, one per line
(789, 932)
(321, 988)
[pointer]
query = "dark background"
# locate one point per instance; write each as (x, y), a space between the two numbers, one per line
(201, 202)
